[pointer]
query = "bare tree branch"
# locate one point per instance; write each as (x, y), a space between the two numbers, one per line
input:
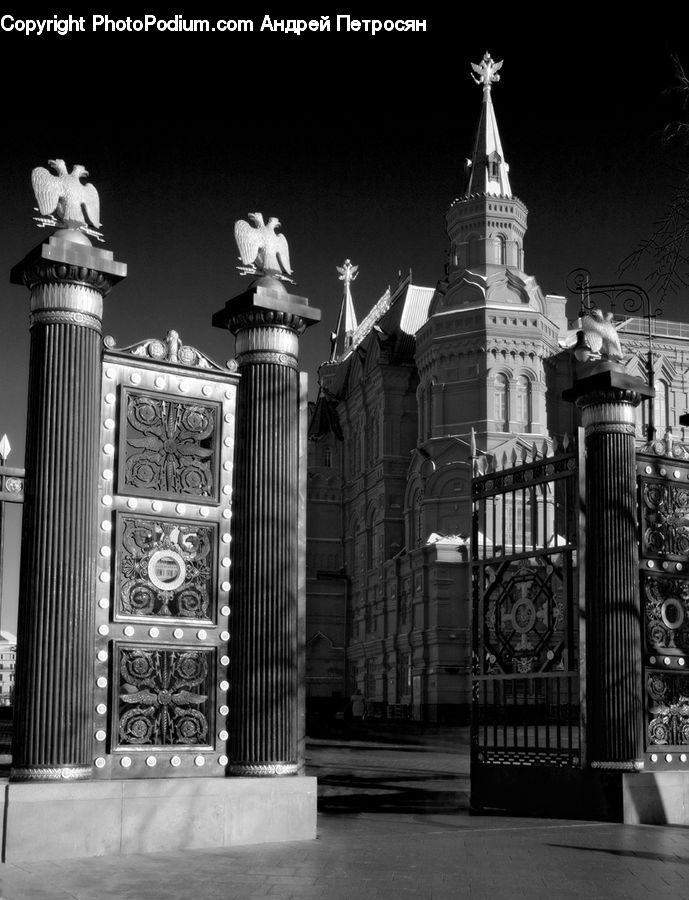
(667, 249)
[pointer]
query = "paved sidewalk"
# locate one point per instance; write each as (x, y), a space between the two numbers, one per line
(393, 824)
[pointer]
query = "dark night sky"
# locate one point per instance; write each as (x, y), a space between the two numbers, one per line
(356, 143)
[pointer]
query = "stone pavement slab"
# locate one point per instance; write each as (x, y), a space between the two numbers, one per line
(416, 848)
(387, 855)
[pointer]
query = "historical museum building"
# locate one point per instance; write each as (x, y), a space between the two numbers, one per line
(410, 396)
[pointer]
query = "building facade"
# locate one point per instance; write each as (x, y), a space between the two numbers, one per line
(8, 661)
(431, 378)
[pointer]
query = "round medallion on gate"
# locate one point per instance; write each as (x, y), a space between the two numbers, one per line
(166, 570)
(523, 616)
(672, 613)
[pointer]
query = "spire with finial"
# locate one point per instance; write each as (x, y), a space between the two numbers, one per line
(487, 224)
(487, 170)
(346, 323)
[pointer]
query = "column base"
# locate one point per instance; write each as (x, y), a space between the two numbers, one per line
(631, 765)
(99, 818)
(50, 773)
(264, 769)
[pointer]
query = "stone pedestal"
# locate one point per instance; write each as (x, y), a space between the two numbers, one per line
(98, 818)
(68, 279)
(266, 321)
(614, 688)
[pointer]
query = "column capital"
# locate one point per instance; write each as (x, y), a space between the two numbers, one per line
(68, 279)
(608, 396)
(68, 257)
(266, 303)
(606, 379)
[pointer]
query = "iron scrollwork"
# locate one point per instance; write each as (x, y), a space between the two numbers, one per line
(165, 568)
(666, 602)
(668, 707)
(666, 518)
(164, 696)
(524, 619)
(168, 447)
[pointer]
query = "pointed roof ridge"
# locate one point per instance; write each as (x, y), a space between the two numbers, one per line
(347, 322)
(487, 169)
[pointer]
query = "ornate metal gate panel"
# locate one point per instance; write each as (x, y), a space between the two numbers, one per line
(162, 616)
(526, 700)
(663, 479)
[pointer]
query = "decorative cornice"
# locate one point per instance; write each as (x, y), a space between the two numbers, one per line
(492, 197)
(171, 350)
(665, 448)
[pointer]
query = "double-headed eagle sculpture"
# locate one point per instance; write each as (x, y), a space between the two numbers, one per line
(64, 201)
(487, 70)
(596, 338)
(347, 273)
(601, 335)
(261, 250)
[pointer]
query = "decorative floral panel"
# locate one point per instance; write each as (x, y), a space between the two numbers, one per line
(665, 511)
(165, 696)
(668, 708)
(168, 447)
(165, 568)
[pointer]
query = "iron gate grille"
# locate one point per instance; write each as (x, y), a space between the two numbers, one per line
(526, 701)
(663, 481)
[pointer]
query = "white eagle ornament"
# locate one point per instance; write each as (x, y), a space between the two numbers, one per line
(64, 201)
(261, 250)
(601, 335)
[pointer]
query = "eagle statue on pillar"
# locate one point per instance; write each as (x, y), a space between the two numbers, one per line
(595, 337)
(601, 335)
(261, 250)
(64, 201)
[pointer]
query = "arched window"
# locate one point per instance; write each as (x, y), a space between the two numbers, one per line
(417, 518)
(370, 539)
(501, 402)
(328, 457)
(353, 548)
(493, 163)
(473, 250)
(523, 403)
(375, 429)
(661, 407)
(501, 250)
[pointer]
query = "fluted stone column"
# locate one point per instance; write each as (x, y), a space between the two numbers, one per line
(264, 692)
(68, 279)
(614, 687)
